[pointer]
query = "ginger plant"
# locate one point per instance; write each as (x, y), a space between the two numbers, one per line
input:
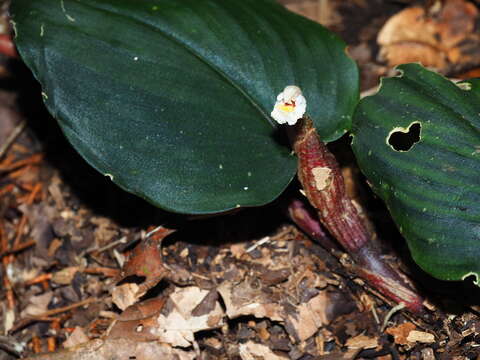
(171, 100)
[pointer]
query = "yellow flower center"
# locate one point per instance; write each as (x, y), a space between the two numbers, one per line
(288, 107)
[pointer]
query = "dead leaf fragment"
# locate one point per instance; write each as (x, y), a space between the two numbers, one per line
(146, 259)
(38, 304)
(362, 342)
(179, 326)
(310, 317)
(143, 310)
(253, 351)
(444, 40)
(65, 276)
(401, 332)
(77, 337)
(242, 299)
(420, 336)
(125, 295)
(119, 349)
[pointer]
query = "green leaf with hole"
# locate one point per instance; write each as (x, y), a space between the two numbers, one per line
(172, 98)
(418, 142)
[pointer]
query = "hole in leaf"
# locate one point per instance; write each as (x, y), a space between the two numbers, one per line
(401, 139)
(471, 277)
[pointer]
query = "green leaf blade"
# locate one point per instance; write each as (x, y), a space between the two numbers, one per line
(172, 98)
(433, 189)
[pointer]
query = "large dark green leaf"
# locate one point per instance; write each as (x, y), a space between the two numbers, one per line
(432, 187)
(172, 97)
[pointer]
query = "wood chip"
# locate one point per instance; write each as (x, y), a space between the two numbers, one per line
(420, 336)
(362, 342)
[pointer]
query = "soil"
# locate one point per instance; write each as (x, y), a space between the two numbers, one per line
(88, 267)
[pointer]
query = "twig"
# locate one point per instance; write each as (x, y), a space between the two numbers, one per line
(260, 242)
(106, 247)
(39, 279)
(18, 248)
(391, 313)
(32, 160)
(52, 312)
(150, 233)
(12, 137)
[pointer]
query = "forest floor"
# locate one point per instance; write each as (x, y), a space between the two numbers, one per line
(87, 267)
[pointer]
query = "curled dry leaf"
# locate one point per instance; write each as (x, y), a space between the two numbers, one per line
(145, 261)
(138, 321)
(178, 326)
(444, 39)
(143, 310)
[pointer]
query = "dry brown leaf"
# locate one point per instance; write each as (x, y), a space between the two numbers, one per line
(179, 326)
(443, 40)
(125, 295)
(143, 310)
(138, 321)
(310, 317)
(65, 276)
(119, 349)
(400, 332)
(77, 337)
(38, 304)
(138, 330)
(146, 259)
(242, 299)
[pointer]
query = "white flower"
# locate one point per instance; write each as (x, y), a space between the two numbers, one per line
(290, 106)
